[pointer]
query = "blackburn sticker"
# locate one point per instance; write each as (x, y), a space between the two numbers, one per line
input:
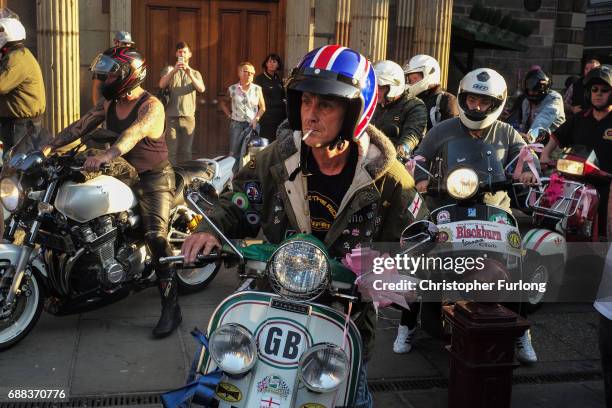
(514, 239)
(228, 392)
(253, 191)
(273, 384)
(443, 217)
(240, 200)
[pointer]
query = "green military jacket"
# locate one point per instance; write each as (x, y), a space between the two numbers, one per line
(380, 202)
(22, 91)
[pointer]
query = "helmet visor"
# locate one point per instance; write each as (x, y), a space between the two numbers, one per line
(324, 82)
(103, 64)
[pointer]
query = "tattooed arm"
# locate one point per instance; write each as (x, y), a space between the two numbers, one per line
(81, 127)
(150, 123)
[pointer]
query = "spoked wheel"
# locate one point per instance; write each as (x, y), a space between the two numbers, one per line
(17, 321)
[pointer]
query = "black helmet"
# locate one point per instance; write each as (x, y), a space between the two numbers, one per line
(129, 65)
(538, 82)
(599, 75)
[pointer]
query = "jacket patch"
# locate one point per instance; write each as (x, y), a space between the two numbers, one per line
(608, 134)
(240, 200)
(253, 192)
(253, 218)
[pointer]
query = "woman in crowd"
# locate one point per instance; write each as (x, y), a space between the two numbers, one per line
(274, 95)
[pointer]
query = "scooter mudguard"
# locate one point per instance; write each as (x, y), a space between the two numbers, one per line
(545, 242)
(283, 330)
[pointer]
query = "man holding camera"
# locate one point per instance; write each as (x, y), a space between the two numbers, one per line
(182, 82)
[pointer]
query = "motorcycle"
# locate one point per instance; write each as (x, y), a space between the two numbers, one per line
(271, 343)
(84, 244)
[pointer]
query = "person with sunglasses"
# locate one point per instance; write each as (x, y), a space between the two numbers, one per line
(591, 128)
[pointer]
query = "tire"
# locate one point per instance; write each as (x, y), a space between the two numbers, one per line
(539, 269)
(26, 313)
(194, 280)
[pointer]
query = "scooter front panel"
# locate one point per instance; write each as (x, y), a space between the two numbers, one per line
(283, 330)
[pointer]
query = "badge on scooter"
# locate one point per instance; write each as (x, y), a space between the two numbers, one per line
(443, 217)
(228, 392)
(471, 212)
(514, 239)
(500, 218)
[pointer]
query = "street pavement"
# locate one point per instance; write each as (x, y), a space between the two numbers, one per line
(110, 351)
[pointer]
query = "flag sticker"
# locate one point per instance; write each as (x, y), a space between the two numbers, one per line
(415, 206)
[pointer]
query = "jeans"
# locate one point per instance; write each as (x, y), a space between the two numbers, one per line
(363, 398)
(236, 136)
(605, 349)
(179, 138)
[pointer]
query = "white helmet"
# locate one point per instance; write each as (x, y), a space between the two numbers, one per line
(13, 30)
(486, 82)
(428, 67)
(390, 73)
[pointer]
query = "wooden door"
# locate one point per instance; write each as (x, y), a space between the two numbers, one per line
(221, 35)
(240, 31)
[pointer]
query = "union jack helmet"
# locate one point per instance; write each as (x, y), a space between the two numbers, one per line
(335, 70)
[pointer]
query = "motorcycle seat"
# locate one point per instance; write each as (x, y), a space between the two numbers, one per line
(185, 172)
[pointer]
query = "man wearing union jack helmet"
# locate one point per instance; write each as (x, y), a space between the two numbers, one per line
(328, 173)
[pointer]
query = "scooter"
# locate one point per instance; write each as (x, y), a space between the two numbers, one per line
(271, 344)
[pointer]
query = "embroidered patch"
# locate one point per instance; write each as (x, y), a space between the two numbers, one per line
(253, 192)
(240, 200)
(415, 206)
(608, 134)
(253, 218)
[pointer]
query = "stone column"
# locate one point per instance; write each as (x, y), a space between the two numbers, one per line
(3, 3)
(121, 18)
(58, 55)
(432, 34)
(369, 26)
(404, 31)
(343, 22)
(300, 31)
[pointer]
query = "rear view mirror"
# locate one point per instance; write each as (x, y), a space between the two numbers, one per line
(419, 236)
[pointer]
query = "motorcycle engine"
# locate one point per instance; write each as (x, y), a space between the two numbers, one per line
(100, 237)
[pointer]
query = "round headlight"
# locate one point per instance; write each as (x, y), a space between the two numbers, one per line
(323, 368)
(462, 183)
(233, 349)
(10, 194)
(299, 270)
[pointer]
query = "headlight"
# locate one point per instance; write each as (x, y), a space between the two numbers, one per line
(462, 183)
(233, 349)
(10, 194)
(570, 167)
(323, 368)
(299, 270)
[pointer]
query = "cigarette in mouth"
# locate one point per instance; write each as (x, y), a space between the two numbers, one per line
(306, 135)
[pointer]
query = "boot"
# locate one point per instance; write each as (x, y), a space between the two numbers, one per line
(171, 312)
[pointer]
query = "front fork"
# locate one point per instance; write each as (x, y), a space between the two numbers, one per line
(26, 251)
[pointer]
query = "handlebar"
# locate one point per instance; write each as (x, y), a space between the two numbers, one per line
(199, 259)
(103, 167)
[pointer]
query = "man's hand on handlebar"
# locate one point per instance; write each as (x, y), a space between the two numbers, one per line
(421, 186)
(93, 163)
(199, 242)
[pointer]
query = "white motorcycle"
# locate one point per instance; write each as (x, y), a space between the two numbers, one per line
(84, 243)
